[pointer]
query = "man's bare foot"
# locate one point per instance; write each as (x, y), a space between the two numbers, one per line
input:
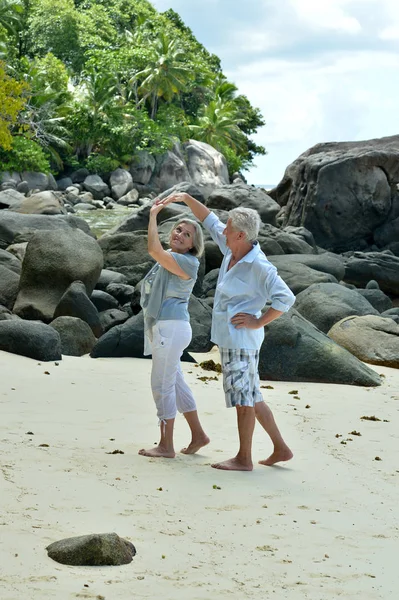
(195, 445)
(158, 452)
(281, 455)
(233, 464)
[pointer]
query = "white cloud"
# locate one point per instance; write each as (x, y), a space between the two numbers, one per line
(329, 14)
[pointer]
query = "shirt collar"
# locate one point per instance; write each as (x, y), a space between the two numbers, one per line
(252, 254)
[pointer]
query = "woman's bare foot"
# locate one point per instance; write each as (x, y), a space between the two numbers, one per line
(158, 452)
(281, 455)
(195, 445)
(233, 464)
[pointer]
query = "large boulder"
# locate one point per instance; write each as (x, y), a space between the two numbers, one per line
(76, 303)
(95, 550)
(15, 227)
(170, 169)
(383, 267)
(295, 350)
(11, 199)
(126, 339)
(240, 194)
(39, 181)
(112, 317)
(76, 336)
(31, 339)
(342, 191)
(372, 339)
(42, 203)
(10, 261)
(324, 304)
(9, 281)
(206, 165)
(121, 182)
(300, 271)
(96, 186)
(201, 321)
(377, 298)
(107, 277)
(54, 260)
(142, 167)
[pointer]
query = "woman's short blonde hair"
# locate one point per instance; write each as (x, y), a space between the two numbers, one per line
(198, 240)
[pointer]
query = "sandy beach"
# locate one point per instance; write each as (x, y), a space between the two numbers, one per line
(323, 526)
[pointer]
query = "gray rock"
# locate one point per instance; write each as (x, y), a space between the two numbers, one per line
(124, 249)
(14, 226)
(42, 203)
(300, 271)
(112, 317)
(142, 167)
(170, 169)
(383, 267)
(6, 176)
(201, 321)
(76, 336)
(8, 260)
(64, 183)
(10, 198)
(130, 197)
(107, 277)
(39, 181)
(377, 298)
(240, 194)
(184, 187)
(76, 303)
(209, 282)
(121, 291)
(324, 304)
(83, 206)
(122, 340)
(121, 182)
(374, 340)
(54, 260)
(103, 301)
(207, 167)
(9, 281)
(96, 186)
(388, 233)
(342, 191)
(23, 187)
(372, 285)
(295, 350)
(17, 250)
(30, 338)
(95, 550)
(80, 175)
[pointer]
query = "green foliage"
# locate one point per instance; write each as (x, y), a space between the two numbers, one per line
(110, 77)
(11, 103)
(97, 163)
(25, 155)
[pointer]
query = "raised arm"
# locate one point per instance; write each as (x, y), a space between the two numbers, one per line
(197, 208)
(155, 250)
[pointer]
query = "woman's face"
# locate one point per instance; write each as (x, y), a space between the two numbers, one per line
(182, 238)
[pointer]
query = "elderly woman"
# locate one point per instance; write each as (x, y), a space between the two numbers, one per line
(165, 293)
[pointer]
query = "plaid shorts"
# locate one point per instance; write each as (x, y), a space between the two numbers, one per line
(240, 377)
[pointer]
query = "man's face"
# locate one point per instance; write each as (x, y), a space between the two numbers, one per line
(231, 234)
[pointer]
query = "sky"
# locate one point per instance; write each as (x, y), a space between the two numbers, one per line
(319, 70)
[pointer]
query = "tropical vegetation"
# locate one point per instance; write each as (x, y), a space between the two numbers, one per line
(91, 82)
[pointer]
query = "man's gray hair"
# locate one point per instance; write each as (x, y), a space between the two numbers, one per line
(246, 220)
(198, 240)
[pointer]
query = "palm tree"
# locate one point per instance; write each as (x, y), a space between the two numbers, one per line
(166, 76)
(217, 125)
(10, 15)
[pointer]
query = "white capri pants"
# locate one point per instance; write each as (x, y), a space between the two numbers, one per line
(171, 393)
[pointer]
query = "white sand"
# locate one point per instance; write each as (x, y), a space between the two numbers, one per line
(325, 526)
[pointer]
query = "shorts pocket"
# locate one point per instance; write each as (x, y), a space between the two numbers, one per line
(236, 377)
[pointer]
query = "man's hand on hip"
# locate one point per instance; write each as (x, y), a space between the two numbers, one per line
(241, 320)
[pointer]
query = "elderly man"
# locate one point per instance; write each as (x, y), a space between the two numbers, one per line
(247, 280)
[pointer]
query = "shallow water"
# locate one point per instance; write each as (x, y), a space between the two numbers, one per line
(102, 220)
